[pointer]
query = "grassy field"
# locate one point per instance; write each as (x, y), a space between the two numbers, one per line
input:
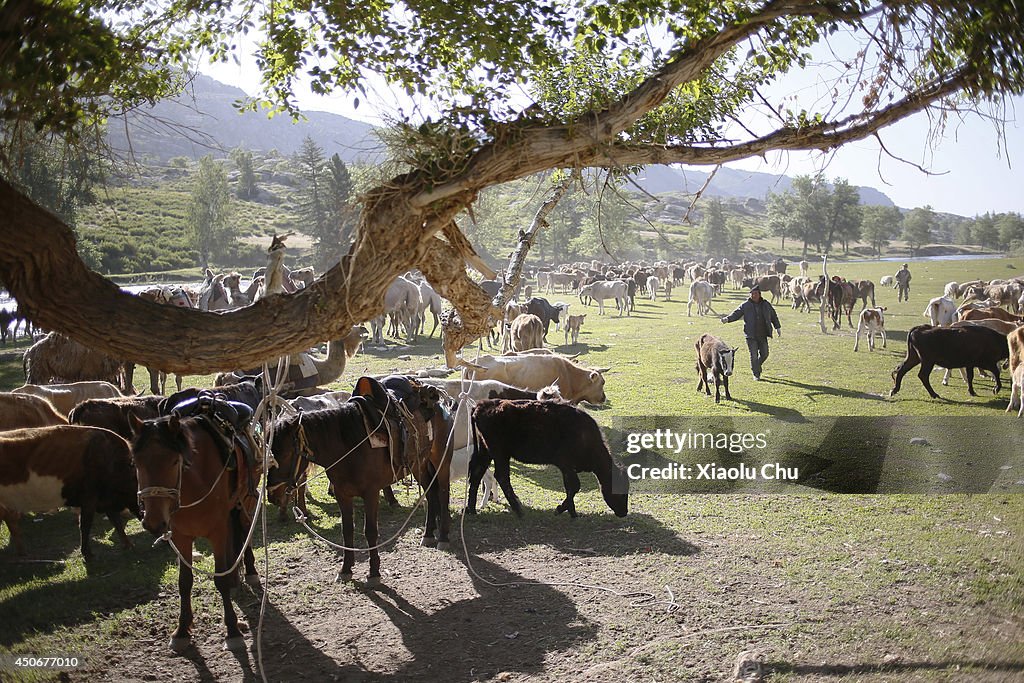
(828, 587)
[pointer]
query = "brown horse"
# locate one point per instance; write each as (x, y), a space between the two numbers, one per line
(191, 486)
(358, 443)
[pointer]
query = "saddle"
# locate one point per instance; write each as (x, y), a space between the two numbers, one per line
(388, 415)
(230, 422)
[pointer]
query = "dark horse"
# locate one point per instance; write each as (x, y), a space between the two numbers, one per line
(385, 432)
(190, 485)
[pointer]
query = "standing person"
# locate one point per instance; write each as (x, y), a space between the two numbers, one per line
(902, 278)
(759, 318)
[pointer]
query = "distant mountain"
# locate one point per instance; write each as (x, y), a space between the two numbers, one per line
(731, 183)
(203, 120)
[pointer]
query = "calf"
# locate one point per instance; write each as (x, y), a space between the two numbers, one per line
(701, 293)
(872, 322)
(46, 468)
(653, 285)
(862, 289)
(572, 328)
(715, 359)
(543, 433)
(966, 347)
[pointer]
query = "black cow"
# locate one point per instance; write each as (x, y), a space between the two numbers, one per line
(542, 308)
(543, 433)
(952, 347)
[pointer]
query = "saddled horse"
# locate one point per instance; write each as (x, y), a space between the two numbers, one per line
(386, 431)
(195, 481)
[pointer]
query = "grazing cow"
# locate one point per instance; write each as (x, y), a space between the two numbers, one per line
(701, 293)
(951, 290)
(608, 289)
(543, 309)
(543, 433)
(653, 285)
(940, 311)
(572, 328)
(872, 322)
(64, 397)
(887, 281)
(715, 360)
(18, 411)
(767, 283)
(527, 332)
(534, 372)
(965, 347)
(46, 468)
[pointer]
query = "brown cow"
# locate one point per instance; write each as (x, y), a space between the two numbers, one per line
(18, 411)
(64, 397)
(997, 313)
(767, 283)
(46, 468)
(527, 332)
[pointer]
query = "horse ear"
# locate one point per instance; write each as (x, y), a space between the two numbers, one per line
(174, 424)
(134, 424)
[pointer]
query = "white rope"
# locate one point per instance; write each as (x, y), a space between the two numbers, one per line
(301, 518)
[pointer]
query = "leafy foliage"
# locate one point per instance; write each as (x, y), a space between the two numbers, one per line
(917, 227)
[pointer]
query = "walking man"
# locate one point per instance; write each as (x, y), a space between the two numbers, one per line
(759, 318)
(902, 278)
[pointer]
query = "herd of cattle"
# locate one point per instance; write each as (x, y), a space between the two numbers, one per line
(70, 444)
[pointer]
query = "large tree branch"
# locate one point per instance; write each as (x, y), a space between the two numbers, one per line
(41, 268)
(540, 148)
(824, 136)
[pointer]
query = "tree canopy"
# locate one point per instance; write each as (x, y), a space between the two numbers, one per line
(518, 87)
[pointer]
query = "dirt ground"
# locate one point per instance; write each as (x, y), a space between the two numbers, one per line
(710, 581)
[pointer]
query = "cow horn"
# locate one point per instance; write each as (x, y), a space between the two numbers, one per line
(602, 370)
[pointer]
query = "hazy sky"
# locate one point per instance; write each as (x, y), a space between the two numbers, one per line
(976, 168)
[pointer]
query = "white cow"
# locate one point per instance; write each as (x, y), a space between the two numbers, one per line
(653, 284)
(887, 281)
(872, 322)
(940, 311)
(701, 292)
(607, 289)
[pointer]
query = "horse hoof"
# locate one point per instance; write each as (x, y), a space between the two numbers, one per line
(373, 582)
(443, 545)
(428, 541)
(178, 644)
(235, 644)
(343, 576)
(253, 580)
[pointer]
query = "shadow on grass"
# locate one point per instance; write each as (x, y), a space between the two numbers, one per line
(960, 667)
(781, 412)
(824, 390)
(115, 580)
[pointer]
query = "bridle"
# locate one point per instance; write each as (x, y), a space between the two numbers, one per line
(164, 491)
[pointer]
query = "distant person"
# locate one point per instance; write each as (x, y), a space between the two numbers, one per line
(902, 278)
(759, 318)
